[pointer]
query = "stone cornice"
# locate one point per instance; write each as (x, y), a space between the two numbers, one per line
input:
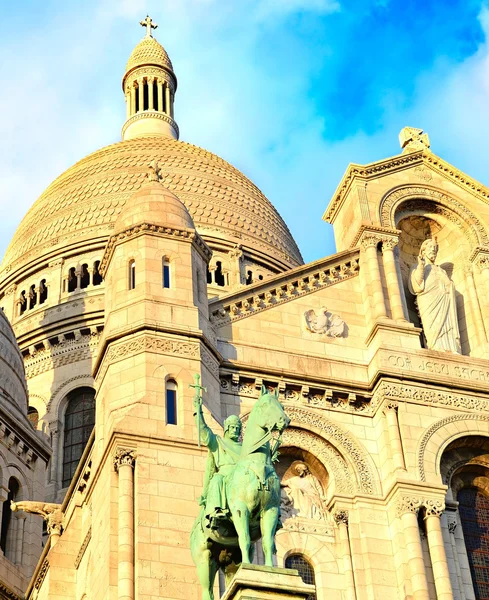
(189, 235)
(285, 287)
(151, 114)
(382, 234)
(401, 162)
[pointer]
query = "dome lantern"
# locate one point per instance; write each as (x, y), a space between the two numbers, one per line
(149, 86)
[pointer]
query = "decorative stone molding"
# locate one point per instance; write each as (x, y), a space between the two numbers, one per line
(6, 592)
(390, 405)
(423, 395)
(41, 574)
(425, 440)
(151, 114)
(343, 441)
(189, 235)
(84, 379)
(445, 205)
(341, 517)
(372, 235)
(433, 508)
(287, 288)
(83, 547)
(308, 526)
(452, 525)
(209, 361)
(327, 454)
(64, 353)
(406, 504)
(21, 447)
(124, 456)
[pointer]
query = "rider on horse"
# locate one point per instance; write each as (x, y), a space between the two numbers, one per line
(223, 455)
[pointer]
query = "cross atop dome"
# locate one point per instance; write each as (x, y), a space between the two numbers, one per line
(149, 24)
(154, 171)
(413, 140)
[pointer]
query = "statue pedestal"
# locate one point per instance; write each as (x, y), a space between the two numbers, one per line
(253, 582)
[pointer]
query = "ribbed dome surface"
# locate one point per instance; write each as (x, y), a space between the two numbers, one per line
(85, 201)
(148, 52)
(12, 375)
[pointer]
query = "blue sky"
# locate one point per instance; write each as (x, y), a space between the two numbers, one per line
(289, 91)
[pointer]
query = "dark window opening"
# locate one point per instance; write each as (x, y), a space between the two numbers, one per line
(166, 274)
(23, 302)
(97, 277)
(85, 277)
(146, 95)
(132, 274)
(43, 292)
(32, 297)
(260, 277)
(209, 276)
(6, 533)
(136, 93)
(249, 278)
(72, 280)
(297, 561)
(33, 416)
(155, 95)
(218, 275)
(78, 425)
(171, 402)
(474, 513)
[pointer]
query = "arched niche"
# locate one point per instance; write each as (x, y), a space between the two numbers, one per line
(420, 213)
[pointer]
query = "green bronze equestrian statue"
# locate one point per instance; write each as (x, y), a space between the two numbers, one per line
(241, 496)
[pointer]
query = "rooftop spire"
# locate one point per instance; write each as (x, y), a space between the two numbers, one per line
(148, 23)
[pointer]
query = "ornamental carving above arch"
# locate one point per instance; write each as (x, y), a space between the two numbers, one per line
(454, 427)
(440, 203)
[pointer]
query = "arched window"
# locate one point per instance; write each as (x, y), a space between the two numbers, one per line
(33, 416)
(297, 561)
(22, 303)
(72, 280)
(8, 539)
(166, 273)
(209, 276)
(171, 402)
(43, 292)
(78, 424)
(249, 278)
(97, 277)
(218, 274)
(132, 274)
(32, 296)
(474, 514)
(85, 277)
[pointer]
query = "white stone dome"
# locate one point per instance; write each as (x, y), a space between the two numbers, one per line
(13, 386)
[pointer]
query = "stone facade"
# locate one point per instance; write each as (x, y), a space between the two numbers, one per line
(193, 272)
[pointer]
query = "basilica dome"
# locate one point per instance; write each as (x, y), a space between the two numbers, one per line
(13, 387)
(84, 202)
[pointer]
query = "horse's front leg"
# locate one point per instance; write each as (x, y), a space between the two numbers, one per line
(241, 520)
(268, 525)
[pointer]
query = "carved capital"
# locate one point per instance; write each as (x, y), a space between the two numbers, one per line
(407, 504)
(390, 405)
(124, 456)
(341, 517)
(370, 241)
(434, 508)
(389, 243)
(54, 522)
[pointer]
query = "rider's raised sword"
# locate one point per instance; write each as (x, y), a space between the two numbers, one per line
(198, 395)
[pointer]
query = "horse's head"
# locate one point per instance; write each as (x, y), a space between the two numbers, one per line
(269, 412)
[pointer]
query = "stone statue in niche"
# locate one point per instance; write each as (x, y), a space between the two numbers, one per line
(324, 323)
(302, 495)
(435, 296)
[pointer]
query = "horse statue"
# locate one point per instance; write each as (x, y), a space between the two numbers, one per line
(251, 489)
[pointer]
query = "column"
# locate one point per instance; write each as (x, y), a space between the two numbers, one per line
(474, 302)
(407, 510)
(54, 430)
(150, 94)
(128, 102)
(141, 94)
(451, 527)
(390, 412)
(124, 461)
(160, 96)
(133, 99)
(19, 537)
(393, 283)
(377, 302)
(341, 519)
(167, 100)
(441, 575)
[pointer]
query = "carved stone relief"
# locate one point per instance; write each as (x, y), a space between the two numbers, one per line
(302, 495)
(324, 323)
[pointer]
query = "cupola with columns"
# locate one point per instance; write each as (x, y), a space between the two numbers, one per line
(149, 86)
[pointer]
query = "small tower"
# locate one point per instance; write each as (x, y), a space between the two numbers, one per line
(156, 317)
(149, 86)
